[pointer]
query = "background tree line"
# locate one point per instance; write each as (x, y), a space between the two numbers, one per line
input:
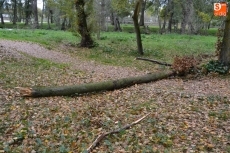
(183, 16)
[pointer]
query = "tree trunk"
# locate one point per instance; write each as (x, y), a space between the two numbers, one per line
(15, 12)
(2, 19)
(86, 40)
(28, 11)
(137, 27)
(48, 20)
(117, 26)
(1, 11)
(171, 12)
(92, 87)
(112, 18)
(63, 25)
(35, 12)
(224, 56)
(51, 16)
(20, 9)
(142, 17)
(184, 17)
(43, 9)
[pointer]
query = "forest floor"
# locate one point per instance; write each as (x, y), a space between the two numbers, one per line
(187, 115)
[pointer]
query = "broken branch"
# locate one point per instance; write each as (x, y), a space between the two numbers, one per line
(103, 135)
(154, 61)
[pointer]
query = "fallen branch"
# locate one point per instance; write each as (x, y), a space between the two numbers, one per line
(103, 135)
(92, 87)
(154, 61)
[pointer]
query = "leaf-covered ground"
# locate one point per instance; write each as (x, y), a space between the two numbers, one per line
(186, 115)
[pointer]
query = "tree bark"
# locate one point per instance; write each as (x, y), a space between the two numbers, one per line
(224, 56)
(1, 11)
(171, 12)
(86, 40)
(2, 19)
(35, 13)
(117, 26)
(142, 17)
(92, 87)
(43, 10)
(137, 27)
(28, 11)
(15, 12)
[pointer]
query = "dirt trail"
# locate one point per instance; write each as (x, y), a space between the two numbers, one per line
(38, 51)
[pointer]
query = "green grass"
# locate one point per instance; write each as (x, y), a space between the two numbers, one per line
(119, 48)
(44, 37)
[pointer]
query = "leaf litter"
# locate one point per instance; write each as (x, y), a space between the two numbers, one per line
(186, 115)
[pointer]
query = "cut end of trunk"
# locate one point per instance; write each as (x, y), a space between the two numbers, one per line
(25, 92)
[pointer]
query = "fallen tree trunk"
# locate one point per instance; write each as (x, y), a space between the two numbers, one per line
(91, 87)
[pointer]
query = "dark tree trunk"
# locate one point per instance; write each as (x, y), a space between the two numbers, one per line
(224, 56)
(92, 87)
(15, 12)
(35, 12)
(51, 16)
(142, 17)
(63, 25)
(1, 11)
(28, 11)
(86, 40)
(117, 26)
(137, 27)
(2, 19)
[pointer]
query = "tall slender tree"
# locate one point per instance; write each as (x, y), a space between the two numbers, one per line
(35, 13)
(14, 11)
(136, 25)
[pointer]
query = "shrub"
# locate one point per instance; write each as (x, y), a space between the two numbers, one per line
(216, 66)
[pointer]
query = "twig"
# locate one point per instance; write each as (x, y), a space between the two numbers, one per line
(154, 61)
(103, 135)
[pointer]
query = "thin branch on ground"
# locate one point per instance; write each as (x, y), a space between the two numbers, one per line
(153, 61)
(103, 135)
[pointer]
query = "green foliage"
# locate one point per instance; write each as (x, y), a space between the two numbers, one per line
(216, 66)
(204, 16)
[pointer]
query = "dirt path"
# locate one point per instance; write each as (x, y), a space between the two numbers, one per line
(38, 51)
